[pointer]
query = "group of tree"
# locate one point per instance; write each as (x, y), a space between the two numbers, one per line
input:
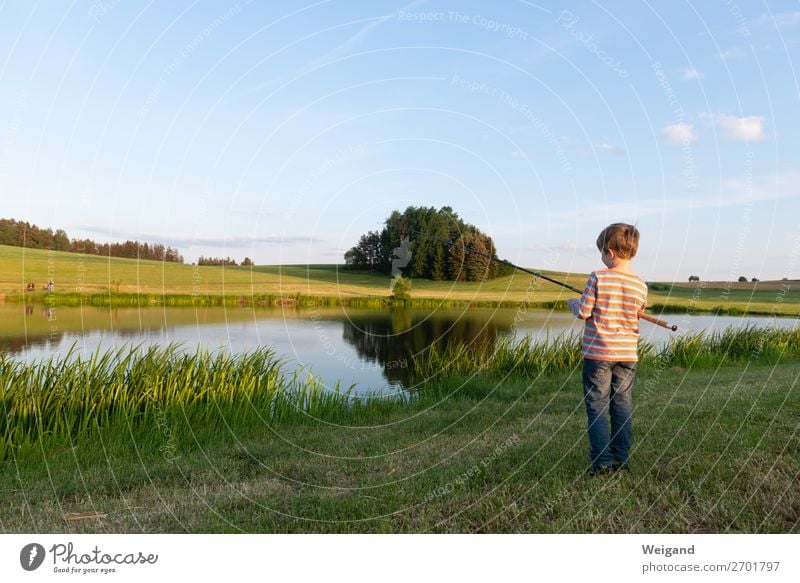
(220, 261)
(24, 234)
(742, 279)
(441, 246)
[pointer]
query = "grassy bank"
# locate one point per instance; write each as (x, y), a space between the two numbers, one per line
(715, 451)
(529, 359)
(186, 444)
(118, 299)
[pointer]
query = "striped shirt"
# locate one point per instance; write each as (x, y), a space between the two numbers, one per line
(610, 304)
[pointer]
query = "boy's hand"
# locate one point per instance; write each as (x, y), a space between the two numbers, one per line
(572, 304)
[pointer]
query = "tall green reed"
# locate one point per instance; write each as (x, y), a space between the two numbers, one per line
(527, 357)
(69, 396)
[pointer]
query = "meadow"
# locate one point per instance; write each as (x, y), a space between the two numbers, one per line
(98, 280)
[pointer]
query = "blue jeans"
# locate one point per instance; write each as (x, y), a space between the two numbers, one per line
(607, 386)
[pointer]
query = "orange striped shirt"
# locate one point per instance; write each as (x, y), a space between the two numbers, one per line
(610, 304)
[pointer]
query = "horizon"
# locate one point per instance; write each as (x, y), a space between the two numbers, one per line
(345, 267)
(284, 132)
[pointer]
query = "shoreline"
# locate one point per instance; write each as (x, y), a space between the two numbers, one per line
(144, 300)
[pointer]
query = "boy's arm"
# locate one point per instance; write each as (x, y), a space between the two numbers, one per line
(583, 307)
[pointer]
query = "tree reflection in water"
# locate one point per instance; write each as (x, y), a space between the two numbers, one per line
(388, 339)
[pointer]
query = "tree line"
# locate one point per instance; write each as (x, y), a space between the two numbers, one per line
(24, 234)
(439, 246)
(223, 261)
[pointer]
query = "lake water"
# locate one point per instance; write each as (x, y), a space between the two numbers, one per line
(367, 347)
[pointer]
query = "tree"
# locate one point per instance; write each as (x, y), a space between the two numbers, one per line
(247, 262)
(401, 292)
(438, 269)
(694, 278)
(477, 265)
(432, 255)
(742, 279)
(754, 280)
(215, 261)
(455, 261)
(23, 234)
(61, 240)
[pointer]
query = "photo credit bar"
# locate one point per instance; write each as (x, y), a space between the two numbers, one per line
(353, 558)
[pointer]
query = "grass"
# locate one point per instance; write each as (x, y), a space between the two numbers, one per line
(214, 444)
(116, 278)
(67, 398)
(716, 451)
(103, 281)
(529, 359)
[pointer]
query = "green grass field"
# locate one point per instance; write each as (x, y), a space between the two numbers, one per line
(87, 273)
(715, 451)
(163, 442)
(125, 279)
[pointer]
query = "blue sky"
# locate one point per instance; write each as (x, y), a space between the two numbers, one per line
(284, 130)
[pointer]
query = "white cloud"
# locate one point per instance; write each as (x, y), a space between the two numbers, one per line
(738, 191)
(734, 129)
(563, 140)
(692, 74)
(519, 154)
(731, 53)
(608, 148)
(568, 247)
(782, 19)
(680, 134)
(202, 240)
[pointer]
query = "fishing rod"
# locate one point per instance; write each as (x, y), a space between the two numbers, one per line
(538, 274)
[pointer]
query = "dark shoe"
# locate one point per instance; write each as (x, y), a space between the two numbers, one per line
(597, 471)
(620, 466)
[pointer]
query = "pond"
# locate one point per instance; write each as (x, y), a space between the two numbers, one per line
(368, 348)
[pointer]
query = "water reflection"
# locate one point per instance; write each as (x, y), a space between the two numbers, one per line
(389, 339)
(369, 348)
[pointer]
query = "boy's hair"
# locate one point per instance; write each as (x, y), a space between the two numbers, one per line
(621, 238)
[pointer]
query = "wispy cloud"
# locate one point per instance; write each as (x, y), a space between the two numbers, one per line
(731, 53)
(202, 241)
(736, 129)
(519, 154)
(781, 20)
(355, 40)
(738, 191)
(568, 247)
(608, 149)
(680, 134)
(692, 74)
(761, 189)
(344, 48)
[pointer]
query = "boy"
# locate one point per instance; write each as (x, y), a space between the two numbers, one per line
(610, 306)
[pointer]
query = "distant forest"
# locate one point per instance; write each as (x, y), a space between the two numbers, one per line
(24, 234)
(429, 231)
(224, 261)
